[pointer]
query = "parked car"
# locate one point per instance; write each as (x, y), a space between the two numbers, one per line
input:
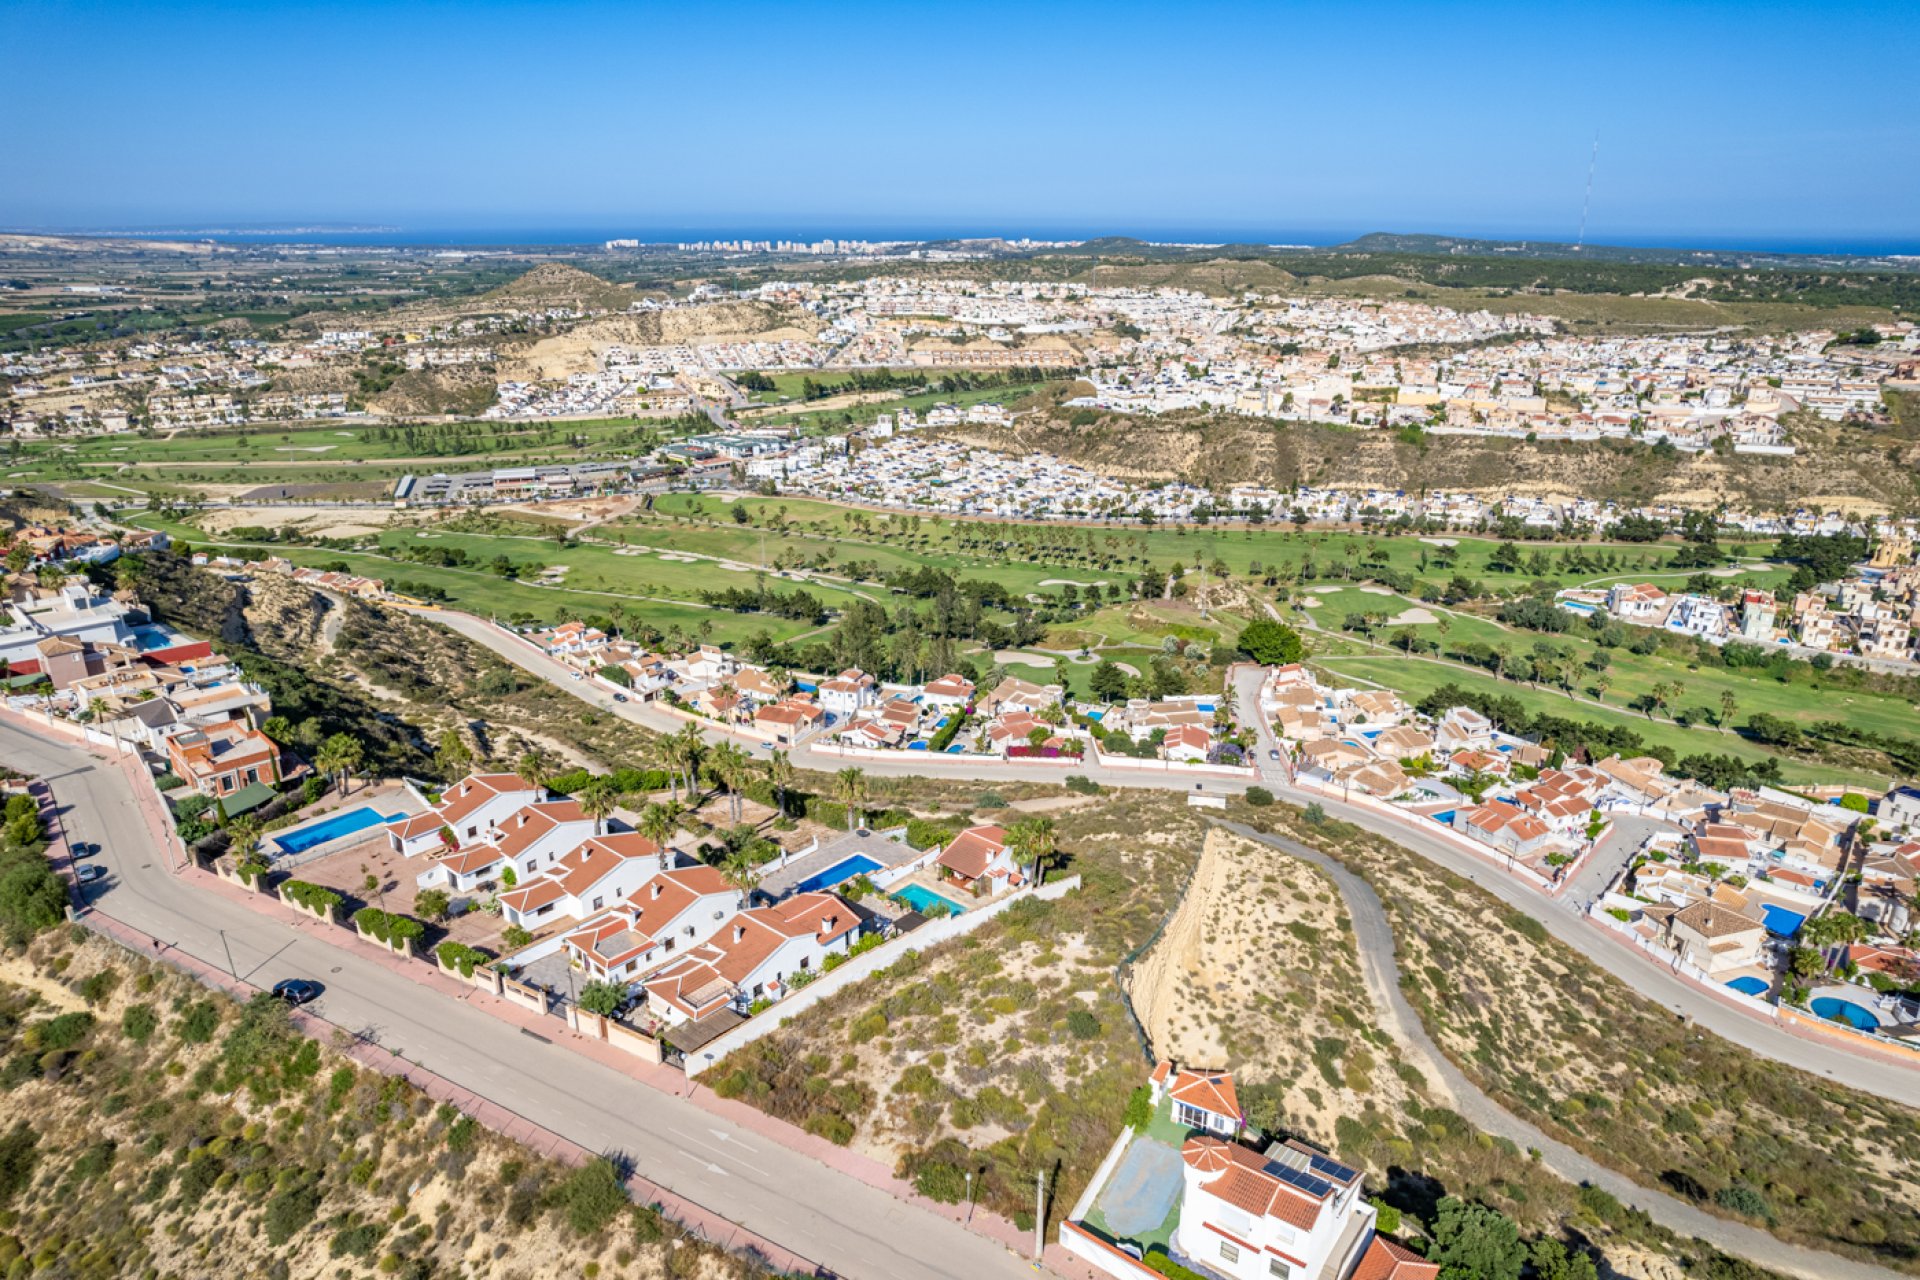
(1273, 753)
(89, 873)
(619, 697)
(297, 991)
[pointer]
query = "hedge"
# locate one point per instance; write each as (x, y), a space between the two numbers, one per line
(397, 931)
(459, 956)
(944, 737)
(625, 781)
(1167, 1267)
(923, 834)
(314, 897)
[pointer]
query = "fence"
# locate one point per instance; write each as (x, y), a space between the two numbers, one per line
(930, 934)
(1113, 761)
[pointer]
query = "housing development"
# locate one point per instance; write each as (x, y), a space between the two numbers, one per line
(829, 755)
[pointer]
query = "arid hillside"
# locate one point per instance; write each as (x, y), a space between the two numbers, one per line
(1843, 467)
(578, 350)
(156, 1130)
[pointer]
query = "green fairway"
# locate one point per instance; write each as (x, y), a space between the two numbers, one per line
(1415, 679)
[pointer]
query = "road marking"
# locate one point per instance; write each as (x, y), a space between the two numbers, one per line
(727, 1137)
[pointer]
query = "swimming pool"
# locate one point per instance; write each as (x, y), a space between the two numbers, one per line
(1834, 1009)
(344, 823)
(1444, 819)
(1750, 985)
(924, 900)
(846, 869)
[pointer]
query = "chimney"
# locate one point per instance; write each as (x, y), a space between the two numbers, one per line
(656, 890)
(739, 932)
(826, 924)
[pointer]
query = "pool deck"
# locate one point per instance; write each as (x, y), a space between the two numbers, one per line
(779, 882)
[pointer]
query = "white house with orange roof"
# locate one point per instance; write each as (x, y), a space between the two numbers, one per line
(589, 878)
(787, 722)
(1203, 1100)
(850, 691)
(671, 913)
(1286, 1213)
(752, 957)
(1188, 742)
(470, 810)
(948, 692)
(528, 840)
(980, 856)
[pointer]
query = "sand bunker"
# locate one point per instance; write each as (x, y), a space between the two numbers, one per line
(1412, 618)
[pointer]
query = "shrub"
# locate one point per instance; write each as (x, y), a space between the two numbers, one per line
(924, 834)
(289, 1212)
(459, 957)
(1314, 814)
(1139, 1108)
(603, 998)
(63, 1032)
(395, 930)
(139, 1023)
(167, 782)
(1080, 784)
(433, 903)
(516, 936)
(1082, 1025)
(942, 1183)
(198, 1023)
(1259, 797)
(314, 897)
(1161, 1263)
(990, 800)
(592, 1196)
(1386, 1218)
(1743, 1199)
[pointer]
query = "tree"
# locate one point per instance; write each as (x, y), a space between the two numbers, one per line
(740, 870)
(598, 799)
(1271, 643)
(1728, 704)
(603, 998)
(1032, 841)
(451, 754)
(1554, 1261)
(780, 775)
(339, 757)
(433, 904)
(658, 822)
(850, 789)
(534, 767)
(686, 749)
(730, 764)
(1108, 681)
(1474, 1242)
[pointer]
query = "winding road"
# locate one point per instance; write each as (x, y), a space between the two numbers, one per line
(1373, 935)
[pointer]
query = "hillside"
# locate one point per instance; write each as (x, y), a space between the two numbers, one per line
(1837, 466)
(157, 1130)
(578, 350)
(556, 284)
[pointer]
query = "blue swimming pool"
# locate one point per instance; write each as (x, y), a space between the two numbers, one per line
(1750, 985)
(1781, 921)
(846, 869)
(1444, 819)
(1834, 1009)
(924, 900)
(344, 823)
(916, 746)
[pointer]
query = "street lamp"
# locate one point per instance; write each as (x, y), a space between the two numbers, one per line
(969, 1218)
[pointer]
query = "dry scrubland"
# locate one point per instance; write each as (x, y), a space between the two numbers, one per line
(1010, 1051)
(1574, 1050)
(158, 1131)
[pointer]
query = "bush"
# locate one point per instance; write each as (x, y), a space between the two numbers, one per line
(1744, 1200)
(139, 1023)
(941, 1183)
(592, 1197)
(1082, 1025)
(1139, 1108)
(289, 1212)
(459, 957)
(990, 800)
(516, 936)
(63, 1032)
(1161, 1263)
(1080, 784)
(168, 781)
(604, 998)
(314, 897)
(198, 1023)
(187, 808)
(924, 834)
(433, 903)
(395, 930)
(1386, 1218)
(1259, 797)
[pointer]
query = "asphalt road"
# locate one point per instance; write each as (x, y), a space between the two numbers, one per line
(1373, 936)
(823, 1214)
(1887, 1078)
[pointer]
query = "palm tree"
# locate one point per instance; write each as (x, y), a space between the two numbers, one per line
(687, 747)
(598, 799)
(659, 821)
(850, 789)
(534, 767)
(1032, 840)
(1601, 683)
(780, 774)
(451, 754)
(741, 871)
(730, 766)
(339, 756)
(1728, 703)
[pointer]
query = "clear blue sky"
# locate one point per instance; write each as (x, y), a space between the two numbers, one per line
(1718, 122)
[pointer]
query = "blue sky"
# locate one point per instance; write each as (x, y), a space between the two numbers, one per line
(1718, 123)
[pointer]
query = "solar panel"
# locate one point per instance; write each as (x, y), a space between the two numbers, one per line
(1299, 1178)
(1332, 1168)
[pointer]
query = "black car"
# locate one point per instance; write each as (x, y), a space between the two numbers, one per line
(297, 991)
(81, 849)
(89, 873)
